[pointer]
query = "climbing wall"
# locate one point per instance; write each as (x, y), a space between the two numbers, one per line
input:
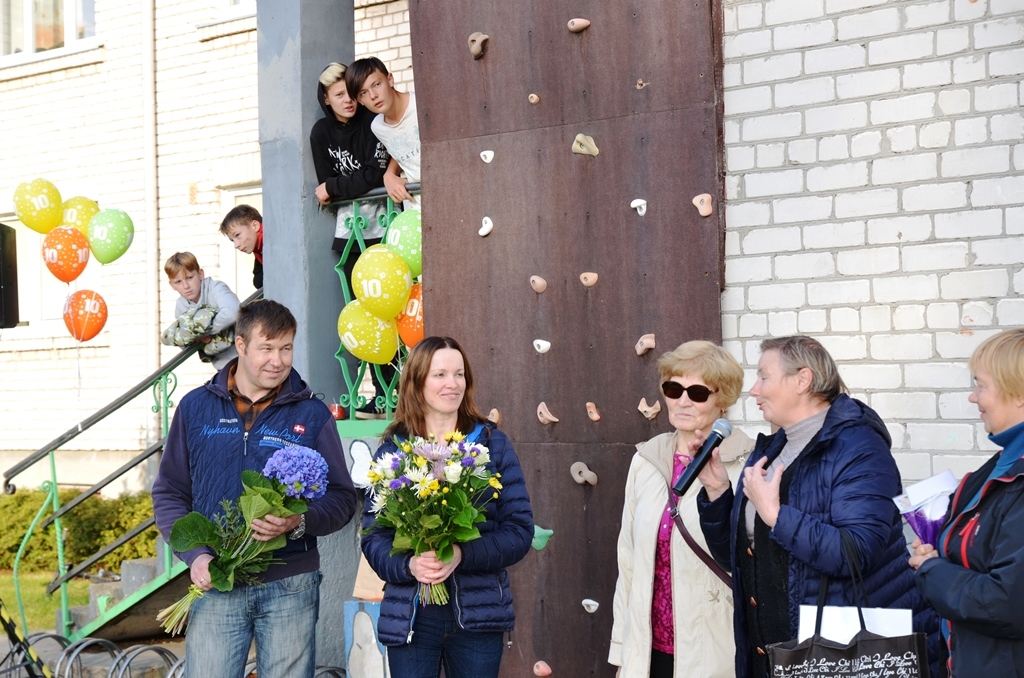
(612, 235)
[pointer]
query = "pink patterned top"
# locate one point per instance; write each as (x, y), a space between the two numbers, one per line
(662, 631)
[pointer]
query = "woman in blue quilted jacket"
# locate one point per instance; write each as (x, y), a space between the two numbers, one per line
(827, 468)
(465, 636)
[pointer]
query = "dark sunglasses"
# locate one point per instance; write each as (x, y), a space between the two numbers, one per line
(697, 393)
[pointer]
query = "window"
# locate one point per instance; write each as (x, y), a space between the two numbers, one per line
(29, 26)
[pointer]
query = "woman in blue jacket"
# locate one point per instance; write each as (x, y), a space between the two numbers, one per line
(975, 576)
(466, 635)
(827, 468)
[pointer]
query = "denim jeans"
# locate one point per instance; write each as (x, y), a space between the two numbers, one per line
(281, 616)
(436, 643)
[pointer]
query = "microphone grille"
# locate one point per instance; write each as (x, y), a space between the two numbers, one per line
(722, 427)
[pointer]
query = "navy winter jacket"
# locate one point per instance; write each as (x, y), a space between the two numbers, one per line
(976, 586)
(479, 586)
(844, 479)
(207, 449)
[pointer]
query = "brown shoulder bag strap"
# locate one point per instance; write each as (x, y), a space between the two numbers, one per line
(694, 546)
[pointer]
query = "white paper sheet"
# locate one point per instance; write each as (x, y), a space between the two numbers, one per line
(840, 624)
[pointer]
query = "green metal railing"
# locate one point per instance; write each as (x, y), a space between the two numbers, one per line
(162, 384)
(351, 399)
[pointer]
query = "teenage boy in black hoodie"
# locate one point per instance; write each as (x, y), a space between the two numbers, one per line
(349, 161)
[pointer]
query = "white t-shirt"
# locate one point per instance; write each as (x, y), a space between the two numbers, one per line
(402, 139)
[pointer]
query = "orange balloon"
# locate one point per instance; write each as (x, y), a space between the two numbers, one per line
(85, 314)
(410, 320)
(66, 252)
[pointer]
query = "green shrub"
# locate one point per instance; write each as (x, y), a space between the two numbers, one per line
(88, 527)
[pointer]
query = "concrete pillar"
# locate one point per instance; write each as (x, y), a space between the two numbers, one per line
(296, 40)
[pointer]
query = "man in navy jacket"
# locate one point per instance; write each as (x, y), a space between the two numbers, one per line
(256, 405)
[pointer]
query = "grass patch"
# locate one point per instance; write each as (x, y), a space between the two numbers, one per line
(40, 609)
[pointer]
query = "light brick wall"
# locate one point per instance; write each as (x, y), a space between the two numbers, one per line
(382, 30)
(875, 177)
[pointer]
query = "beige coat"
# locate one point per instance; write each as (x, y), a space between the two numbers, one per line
(702, 604)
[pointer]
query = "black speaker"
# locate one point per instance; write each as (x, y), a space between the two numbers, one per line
(8, 277)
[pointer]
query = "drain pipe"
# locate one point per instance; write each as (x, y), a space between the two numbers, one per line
(150, 195)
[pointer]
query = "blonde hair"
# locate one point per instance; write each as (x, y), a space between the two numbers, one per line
(1002, 356)
(709, 361)
(181, 262)
(798, 352)
(332, 74)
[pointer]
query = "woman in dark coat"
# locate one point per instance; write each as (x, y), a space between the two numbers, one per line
(975, 576)
(464, 636)
(828, 468)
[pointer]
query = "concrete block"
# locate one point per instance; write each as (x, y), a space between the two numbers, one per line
(1002, 191)
(910, 107)
(940, 436)
(832, 235)
(838, 292)
(865, 203)
(1014, 220)
(1006, 62)
(868, 83)
(970, 224)
(782, 324)
(1009, 127)
(899, 229)
(960, 345)
(137, 573)
(833, 148)
(778, 296)
(747, 100)
(833, 177)
(1000, 251)
(749, 16)
(908, 317)
(866, 143)
(871, 377)
(902, 169)
(799, 36)
(780, 126)
(869, 24)
(873, 261)
(732, 298)
(747, 269)
(931, 197)
(1010, 312)
(730, 326)
(953, 101)
(836, 118)
(771, 155)
(943, 316)
(937, 375)
(739, 158)
(772, 240)
(837, 6)
(997, 33)
(742, 215)
(935, 257)
(804, 91)
(952, 40)
(809, 265)
(997, 7)
(810, 208)
(922, 14)
(767, 69)
(967, 11)
(935, 135)
(977, 313)
(802, 151)
(954, 405)
(753, 325)
(995, 97)
(845, 347)
(927, 74)
(812, 321)
(907, 47)
(899, 289)
(844, 320)
(902, 139)
(738, 45)
(760, 184)
(791, 11)
(968, 68)
(913, 466)
(904, 405)
(829, 59)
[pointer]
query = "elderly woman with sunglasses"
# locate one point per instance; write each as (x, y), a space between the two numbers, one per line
(672, 614)
(826, 469)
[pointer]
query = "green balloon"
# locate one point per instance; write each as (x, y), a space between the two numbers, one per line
(405, 238)
(110, 234)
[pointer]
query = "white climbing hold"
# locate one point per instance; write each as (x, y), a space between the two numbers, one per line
(487, 156)
(640, 206)
(487, 226)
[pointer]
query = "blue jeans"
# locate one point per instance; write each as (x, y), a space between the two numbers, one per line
(281, 616)
(436, 643)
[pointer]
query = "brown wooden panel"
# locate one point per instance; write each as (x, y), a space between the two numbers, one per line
(580, 77)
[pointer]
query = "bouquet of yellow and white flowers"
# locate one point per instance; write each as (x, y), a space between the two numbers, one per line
(432, 494)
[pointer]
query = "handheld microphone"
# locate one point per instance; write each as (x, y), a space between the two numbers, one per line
(720, 430)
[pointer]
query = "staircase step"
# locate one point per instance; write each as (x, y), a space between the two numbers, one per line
(136, 573)
(103, 596)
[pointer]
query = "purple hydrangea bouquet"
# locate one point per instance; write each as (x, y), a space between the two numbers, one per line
(292, 477)
(924, 505)
(432, 494)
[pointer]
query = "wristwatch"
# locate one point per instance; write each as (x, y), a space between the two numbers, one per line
(299, 531)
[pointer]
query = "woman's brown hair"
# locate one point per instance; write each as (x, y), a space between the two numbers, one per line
(411, 412)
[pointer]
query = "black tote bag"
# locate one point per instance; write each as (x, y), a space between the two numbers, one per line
(867, 655)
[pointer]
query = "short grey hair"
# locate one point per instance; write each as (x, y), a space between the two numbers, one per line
(798, 352)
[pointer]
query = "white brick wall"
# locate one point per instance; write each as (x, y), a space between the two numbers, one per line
(893, 220)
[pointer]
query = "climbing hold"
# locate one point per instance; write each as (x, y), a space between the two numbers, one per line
(703, 204)
(534, 99)
(538, 284)
(590, 605)
(640, 206)
(592, 412)
(540, 537)
(541, 346)
(582, 474)
(487, 156)
(640, 84)
(476, 44)
(584, 145)
(649, 411)
(541, 668)
(644, 344)
(487, 226)
(544, 414)
(494, 416)
(578, 25)
(589, 279)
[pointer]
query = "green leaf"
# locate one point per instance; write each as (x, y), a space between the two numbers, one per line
(446, 553)
(430, 522)
(294, 507)
(401, 542)
(255, 479)
(193, 531)
(253, 506)
(466, 517)
(222, 578)
(465, 533)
